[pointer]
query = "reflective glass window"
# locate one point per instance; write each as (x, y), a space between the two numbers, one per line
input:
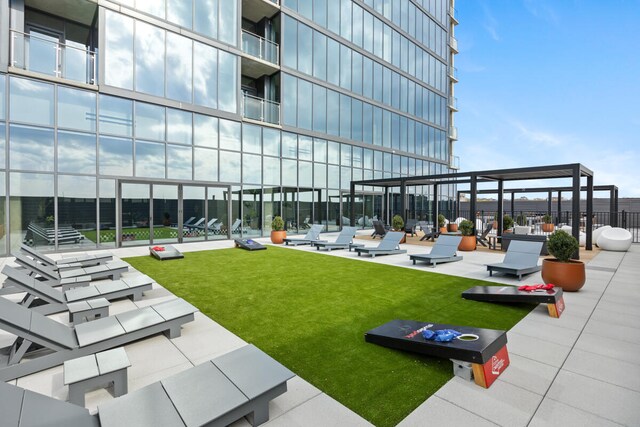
(2, 96)
(180, 12)
(357, 25)
(3, 164)
(305, 9)
(319, 150)
(76, 109)
(319, 108)
(356, 76)
(367, 25)
(205, 75)
(31, 102)
(290, 104)
(345, 19)
(305, 49)
(356, 120)
(320, 12)
(206, 17)
(345, 116)
(386, 128)
(179, 126)
(116, 115)
(387, 162)
(377, 126)
(367, 77)
(205, 131)
(228, 22)
(150, 121)
(116, 156)
(179, 160)
(227, 81)
(205, 164)
(152, 7)
(289, 145)
(271, 142)
(319, 55)
(333, 152)
(150, 159)
(251, 136)
(229, 135)
(333, 113)
(31, 199)
(118, 52)
(333, 176)
(76, 152)
(229, 166)
(271, 170)
(333, 16)
(289, 42)
(367, 159)
(333, 62)
(179, 67)
(305, 150)
(305, 174)
(30, 148)
(251, 169)
(290, 172)
(345, 155)
(319, 175)
(367, 123)
(356, 156)
(377, 160)
(304, 106)
(345, 67)
(149, 59)
(345, 178)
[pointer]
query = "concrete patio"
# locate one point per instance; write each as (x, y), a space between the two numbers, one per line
(582, 369)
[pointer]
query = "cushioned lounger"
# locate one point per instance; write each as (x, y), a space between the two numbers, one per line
(445, 250)
(87, 260)
(56, 300)
(112, 269)
(521, 258)
(342, 241)
(390, 245)
(65, 343)
(313, 235)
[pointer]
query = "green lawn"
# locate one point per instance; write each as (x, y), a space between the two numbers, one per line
(310, 312)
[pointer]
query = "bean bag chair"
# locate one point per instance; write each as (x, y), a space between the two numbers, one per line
(615, 239)
(597, 232)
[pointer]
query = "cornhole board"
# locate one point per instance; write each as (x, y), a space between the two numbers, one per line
(552, 297)
(248, 244)
(482, 360)
(169, 252)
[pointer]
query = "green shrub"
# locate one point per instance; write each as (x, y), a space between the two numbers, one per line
(277, 224)
(562, 245)
(397, 223)
(466, 228)
(441, 220)
(521, 219)
(507, 222)
(546, 218)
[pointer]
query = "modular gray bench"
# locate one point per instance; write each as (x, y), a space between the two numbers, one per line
(313, 235)
(444, 250)
(521, 259)
(343, 241)
(390, 245)
(112, 269)
(67, 263)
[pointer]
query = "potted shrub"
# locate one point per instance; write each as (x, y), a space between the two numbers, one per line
(495, 221)
(397, 223)
(278, 234)
(441, 222)
(562, 271)
(468, 242)
(452, 227)
(507, 223)
(521, 219)
(547, 223)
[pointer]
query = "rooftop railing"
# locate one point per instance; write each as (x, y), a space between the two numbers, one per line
(260, 47)
(43, 55)
(263, 110)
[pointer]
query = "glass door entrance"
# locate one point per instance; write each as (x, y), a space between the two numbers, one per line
(135, 214)
(165, 214)
(368, 208)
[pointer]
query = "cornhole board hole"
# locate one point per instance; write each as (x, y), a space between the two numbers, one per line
(552, 297)
(248, 244)
(165, 252)
(482, 359)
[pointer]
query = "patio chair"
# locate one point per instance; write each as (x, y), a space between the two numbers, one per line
(36, 333)
(378, 229)
(410, 227)
(445, 250)
(344, 239)
(88, 260)
(48, 300)
(432, 235)
(521, 258)
(389, 245)
(188, 222)
(195, 225)
(111, 269)
(313, 235)
(482, 238)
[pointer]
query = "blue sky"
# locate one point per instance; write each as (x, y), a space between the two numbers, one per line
(550, 82)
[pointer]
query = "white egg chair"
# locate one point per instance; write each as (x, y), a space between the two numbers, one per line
(615, 239)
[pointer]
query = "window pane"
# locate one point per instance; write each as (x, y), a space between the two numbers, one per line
(228, 22)
(320, 150)
(76, 109)
(150, 121)
(290, 172)
(304, 107)
(333, 113)
(305, 174)
(150, 160)
(289, 145)
(116, 116)
(251, 169)
(304, 148)
(271, 142)
(251, 139)
(319, 55)
(290, 104)
(319, 109)
(152, 7)
(205, 131)
(271, 171)
(180, 12)
(2, 96)
(2, 150)
(118, 52)
(319, 175)
(30, 148)
(227, 95)
(76, 152)
(333, 62)
(77, 205)
(229, 166)
(179, 67)
(149, 51)
(345, 67)
(345, 116)
(229, 135)
(290, 42)
(31, 102)
(205, 75)
(356, 120)
(32, 195)
(305, 50)
(205, 164)
(333, 176)
(179, 127)
(178, 162)
(206, 14)
(333, 153)
(116, 156)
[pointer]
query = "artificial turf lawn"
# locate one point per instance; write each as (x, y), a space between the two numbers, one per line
(310, 312)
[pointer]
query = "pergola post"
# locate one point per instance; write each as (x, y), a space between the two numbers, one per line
(385, 206)
(435, 206)
(589, 222)
(559, 208)
(403, 200)
(473, 187)
(549, 196)
(513, 203)
(500, 207)
(352, 205)
(575, 208)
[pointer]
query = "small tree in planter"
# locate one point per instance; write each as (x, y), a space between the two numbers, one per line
(278, 234)
(507, 222)
(397, 223)
(468, 242)
(521, 219)
(562, 271)
(547, 223)
(441, 222)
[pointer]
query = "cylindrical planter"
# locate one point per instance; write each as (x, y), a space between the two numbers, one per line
(277, 237)
(468, 243)
(548, 228)
(570, 276)
(443, 230)
(453, 227)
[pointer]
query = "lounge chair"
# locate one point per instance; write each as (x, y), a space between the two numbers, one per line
(378, 229)
(390, 245)
(342, 241)
(521, 258)
(237, 227)
(313, 235)
(112, 270)
(410, 227)
(56, 300)
(445, 250)
(65, 343)
(482, 238)
(432, 234)
(80, 261)
(217, 392)
(194, 225)
(208, 224)
(188, 222)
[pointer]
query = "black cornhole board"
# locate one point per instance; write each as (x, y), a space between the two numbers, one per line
(553, 297)
(248, 244)
(490, 348)
(169, 253)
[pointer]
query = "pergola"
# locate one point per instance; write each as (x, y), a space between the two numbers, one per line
(573, 171)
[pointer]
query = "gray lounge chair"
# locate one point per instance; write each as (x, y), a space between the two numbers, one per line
(239, 383)
(521, 258)
(389, 245)
(410, 227)
(112, 269)
(56, 301)
(313, 235)
(445, 250)
(80, 261)
(65, 343)
(342, 241)
(482, 238)
(378, 229)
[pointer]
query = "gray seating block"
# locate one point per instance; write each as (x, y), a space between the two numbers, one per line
(78, 306)
(174, 308)
(146, 407)
(96, 269)
(98, 303)
(46, 292)
(10, 404)
(81, 293)
(252, 371)
(73, 273)
(110, 286)
(52, 331)
(202, 394)
(98, 330)
(39, 411)
(15, 314)
(112, 360)
(80, 369)
(117, 265)
(139, 319)
(137, 280)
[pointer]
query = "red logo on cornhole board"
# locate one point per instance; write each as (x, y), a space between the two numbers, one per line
(555, 310)
(487, 373)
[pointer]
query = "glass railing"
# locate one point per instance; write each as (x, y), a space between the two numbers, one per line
(453, 132)
(454, 162)
(48, 56)
(453, 103)
(453, 73)
(260, 47)
(453, 42)
(453, 12)
(260, 109)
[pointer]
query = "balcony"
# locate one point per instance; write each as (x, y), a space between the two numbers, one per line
(453, 43)
(260, 47)
(259, 109)
(453, 13)
(46, 55)
(453, 74)
(255, 10)
(453, 133)
(454, 162)
(453, 103)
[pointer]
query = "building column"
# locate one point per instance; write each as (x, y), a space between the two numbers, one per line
(589, 222)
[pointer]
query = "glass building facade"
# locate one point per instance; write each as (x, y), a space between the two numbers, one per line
(152, 121)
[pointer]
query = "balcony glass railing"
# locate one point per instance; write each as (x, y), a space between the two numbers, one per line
(453, 73)
(260, 47)
(260, 109)
(46, 55)
(453, 12)
(453, 42)
(454, 162)
(453, 103)
(453, 132)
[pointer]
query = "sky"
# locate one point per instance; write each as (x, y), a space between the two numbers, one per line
(546, 82)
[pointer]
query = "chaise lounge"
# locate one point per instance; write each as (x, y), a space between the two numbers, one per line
(313, 235)
(389, 245)
(112, 270)
(521, 259)
(80, 261)
(344, 239)
(445, 250)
